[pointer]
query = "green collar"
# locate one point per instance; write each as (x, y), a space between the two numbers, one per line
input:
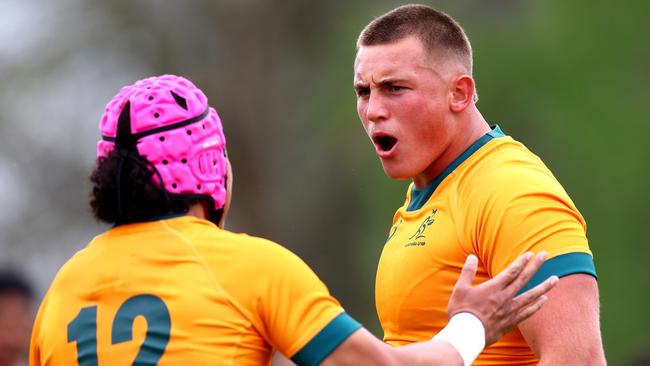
(420, 196)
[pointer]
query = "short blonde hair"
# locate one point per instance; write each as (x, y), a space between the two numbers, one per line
(440, 35)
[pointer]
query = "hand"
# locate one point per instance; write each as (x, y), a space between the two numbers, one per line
(494, 301)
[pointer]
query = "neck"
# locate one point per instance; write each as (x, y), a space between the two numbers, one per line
(471, 129)
(199, 210)
(202, 211)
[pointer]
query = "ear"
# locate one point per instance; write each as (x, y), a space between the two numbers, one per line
(226, 206)
(462, 93)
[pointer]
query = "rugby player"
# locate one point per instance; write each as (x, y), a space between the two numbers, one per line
(475, 190)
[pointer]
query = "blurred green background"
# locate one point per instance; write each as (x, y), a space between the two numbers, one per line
(568, 78)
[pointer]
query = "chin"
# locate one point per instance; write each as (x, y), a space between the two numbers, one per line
(395, 173)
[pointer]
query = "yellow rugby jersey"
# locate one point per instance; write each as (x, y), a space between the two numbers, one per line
(497, 201)
(181, 291)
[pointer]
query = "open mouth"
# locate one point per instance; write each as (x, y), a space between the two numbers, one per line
(384, 143)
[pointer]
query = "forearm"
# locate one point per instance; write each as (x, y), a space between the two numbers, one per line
(362, 348)
(434, 352)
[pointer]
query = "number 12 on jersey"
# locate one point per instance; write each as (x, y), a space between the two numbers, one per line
(83, 330)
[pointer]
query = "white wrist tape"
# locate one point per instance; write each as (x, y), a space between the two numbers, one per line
(466, 333)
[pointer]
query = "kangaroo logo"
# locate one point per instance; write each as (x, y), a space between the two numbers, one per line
(419, 234)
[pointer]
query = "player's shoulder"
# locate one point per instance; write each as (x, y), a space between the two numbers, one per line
(506, 168)
(251, 243)
(208, 238)
(262, 247)
(74, 270)
(258, 252)
(275, 256)
(506, 161)
(507, 154)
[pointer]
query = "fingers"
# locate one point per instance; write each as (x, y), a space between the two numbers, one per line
(508, 275)
(468, 272)
(533, 294)
(528, 311)
(528, 272)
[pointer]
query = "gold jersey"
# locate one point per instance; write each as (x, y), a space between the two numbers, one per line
(181, 291)
(497, 201)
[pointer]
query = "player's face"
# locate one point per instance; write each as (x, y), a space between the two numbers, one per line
(403, 104)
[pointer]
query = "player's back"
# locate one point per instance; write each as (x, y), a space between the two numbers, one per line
(170, 292)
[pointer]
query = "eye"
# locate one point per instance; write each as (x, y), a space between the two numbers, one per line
(362, 92)
(395, 88)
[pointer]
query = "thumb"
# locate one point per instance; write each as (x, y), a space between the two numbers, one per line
(468, 273)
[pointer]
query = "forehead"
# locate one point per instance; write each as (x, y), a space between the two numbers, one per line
(401, 59)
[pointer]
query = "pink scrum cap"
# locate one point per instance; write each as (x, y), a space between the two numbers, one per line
(168, 121)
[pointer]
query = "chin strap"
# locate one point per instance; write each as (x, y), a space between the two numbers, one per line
(125, 143)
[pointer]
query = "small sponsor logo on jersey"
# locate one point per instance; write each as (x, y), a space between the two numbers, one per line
(418, 239)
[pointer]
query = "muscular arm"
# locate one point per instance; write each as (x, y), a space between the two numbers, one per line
(362, 348)
(566, 331)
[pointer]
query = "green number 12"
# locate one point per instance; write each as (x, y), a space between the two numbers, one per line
(83, 330)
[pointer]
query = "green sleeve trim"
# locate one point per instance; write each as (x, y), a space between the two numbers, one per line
(562, 265)
(326, 341)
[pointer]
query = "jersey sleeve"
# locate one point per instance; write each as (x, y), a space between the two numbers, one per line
(522, 209)
(299, 316)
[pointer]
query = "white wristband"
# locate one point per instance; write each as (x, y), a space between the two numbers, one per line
(466, 333)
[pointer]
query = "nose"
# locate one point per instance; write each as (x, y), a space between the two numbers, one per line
(376, 110)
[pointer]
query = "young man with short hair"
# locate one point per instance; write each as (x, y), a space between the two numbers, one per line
(474, 190)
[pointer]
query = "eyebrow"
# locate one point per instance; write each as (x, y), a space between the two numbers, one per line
(359, 85)
(390, 81)
(384, 82)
